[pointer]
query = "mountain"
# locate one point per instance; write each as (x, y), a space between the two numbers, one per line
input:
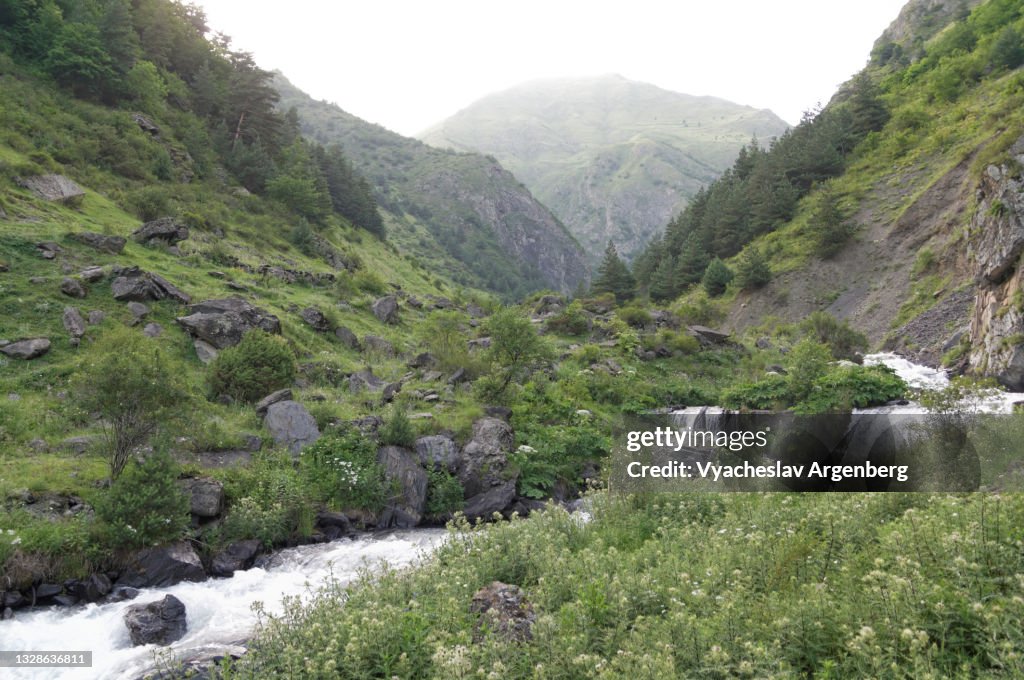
(462, 213)
(613, 158)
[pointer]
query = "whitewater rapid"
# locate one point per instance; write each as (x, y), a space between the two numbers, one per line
(220, 611)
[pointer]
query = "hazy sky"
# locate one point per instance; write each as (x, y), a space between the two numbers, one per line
(407, 64)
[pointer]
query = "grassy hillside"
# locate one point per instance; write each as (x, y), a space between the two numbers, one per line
(613, 158)
(459, 212)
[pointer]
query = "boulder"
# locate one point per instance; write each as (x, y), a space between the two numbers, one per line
(96, 317)
(375, 343)
(74, 324)
(316, 319)
(107, 244)
(549, 304)
(138, 309)
(485, 457)
(160, 623)
(91, 589)
(438, 451)
(459, 376)
(266, 402)
(92, 274)
(504, 611)
(401, 468)
(391, 391)
(206, 496)
(222, 323)
(163, 566)
(45, 591)
(205, 352)
(133, 284)
(495, 499)
(27, 349)
(153, 330)
(53, 188)
(236, 557)
(347, 338)
(291, 425)
(79, 445)
(708, 336)
(164, 230)
(48, 250)
(386, 309)
(422, 360)
(145, 124)
(72, 287)
(364, 380)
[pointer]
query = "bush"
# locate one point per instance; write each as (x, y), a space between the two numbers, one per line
(369, 282)
(808, 362)
(716, 278)
(398, 430)
(572, 321)
(515, 349)
(635, 316)
(752, 270)
(269, 500)
(842, 340)
(444, 493)
(151, 203)
(134, 386)
(260, 364)
(144, 506)
(342, 466)
(771, 393)
(844, 387)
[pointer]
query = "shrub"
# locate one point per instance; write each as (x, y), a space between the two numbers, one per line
(752, 270)
(269, 500)
(808, 362)
(134, 386)
(151, 202)
(635, 316)
(842, 340)
(369, 282)
(772, 392)
(398, 430)
(260, 364)
(515, 348)
(571, 321)
(144, 506)
(846, 387)
(444, 493)
(716, 277)
(342, 466)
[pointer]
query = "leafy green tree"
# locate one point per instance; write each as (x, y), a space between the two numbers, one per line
(515, 347)
(613, 276)
(716, 278)
(135, 387)
(752, 270)
(1008, 49)
(808, 361)
(79, 61)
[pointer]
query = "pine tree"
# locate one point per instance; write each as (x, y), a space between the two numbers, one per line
(716, 277)
(613, 276)
(752, 270)
(663, 285)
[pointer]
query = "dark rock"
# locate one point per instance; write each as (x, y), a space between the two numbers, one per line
(459, 376)
(221, 323)
(391, 391)
(91, 589)
(386, 309)
(235, 557)
(27, 349)
(405, 509)
(133, 284)
(438, 451)
(338, 520)
(45, 591)
(65, 600)
(96, 317)
(53, 188)
(347, 338)
(153, 330)
(422, 360)
(364, 380)
(763, 343)
(504, 612)
(291, 425)
(8, 614)
(165, 230)
(375, 343)
(368, 425)
(161, 622)
(72, 287)
(266, 402)
(13, 599)
(107, 244)
(122, 594)
(488, 502)
(206, 496)
(163, 566)
(316, 319)
(709, 336)
(485, 457)
(252, 443)
(145, 124)
(503, 412)
(74, 324)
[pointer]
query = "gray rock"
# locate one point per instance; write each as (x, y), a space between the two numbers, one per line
(291, 425)
(92, 274)
(391, 391)
(386, 309)
(504, 612)
(422, 360)
(53, 188)
(205, 351)
(44, 591)
(72, 287)
(48, 250)
(165, 230)
(206, 496)
(222, 323)
(347, 338)
(79, 445)
(405, 509)
(485, 458)
(235, 557)
(364, 380)
(549, 304)
(96, 317)
(153, 330)
(161, 622)
(709, 336)
(438, 451)
(163, 566)
(108, 244)
(74, 324)
(145, 124)
(27, 349)
(375, 343)
(91, 589)
(459, 376)
(432, 376)
(316, 319)
(274, 397)
(488, 502)
(138, 309)
(133, 284)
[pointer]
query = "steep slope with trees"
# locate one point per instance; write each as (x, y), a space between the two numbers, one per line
(615, 159)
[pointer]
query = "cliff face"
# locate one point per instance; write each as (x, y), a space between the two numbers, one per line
(996, 246)
(460, 212)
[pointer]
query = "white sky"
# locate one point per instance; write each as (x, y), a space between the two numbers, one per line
(407, 65)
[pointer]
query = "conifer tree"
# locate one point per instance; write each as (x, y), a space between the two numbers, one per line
(752, 269)
(716, 277)
(613, 276)
(663, 285)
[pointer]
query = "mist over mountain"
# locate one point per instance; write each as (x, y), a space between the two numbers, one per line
(614, 159)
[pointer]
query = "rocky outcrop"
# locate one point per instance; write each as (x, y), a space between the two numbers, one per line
(166, 230)
(206, 496)
(997, 243)
(53, 188)
(163, 566)
(72, 287)
(347, 338)
(484, 460)
(235, 557)
(438, 452)
(27, 349)
(402, 470)
(266, 402)
(160, 623)
(291, 425)
(222, 323)
(386, 309)
(107, 244)
(316, 319)
(133, 284)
